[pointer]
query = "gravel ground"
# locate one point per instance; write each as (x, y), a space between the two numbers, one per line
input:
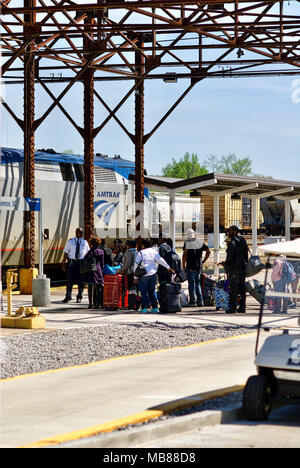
(37, 352)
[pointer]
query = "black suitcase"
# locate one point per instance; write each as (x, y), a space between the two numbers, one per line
(208, 289)
(257, 290)
(170, 297)
(134, 301)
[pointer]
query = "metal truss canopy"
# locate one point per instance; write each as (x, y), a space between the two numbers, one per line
(202, 39)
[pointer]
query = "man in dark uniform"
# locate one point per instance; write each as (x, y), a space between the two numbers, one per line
(235, 267)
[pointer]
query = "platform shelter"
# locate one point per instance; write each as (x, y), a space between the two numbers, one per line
(218, 185)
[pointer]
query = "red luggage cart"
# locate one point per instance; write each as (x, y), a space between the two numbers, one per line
(115, 292)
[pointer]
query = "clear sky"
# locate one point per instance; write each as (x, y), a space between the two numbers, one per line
(257, 117)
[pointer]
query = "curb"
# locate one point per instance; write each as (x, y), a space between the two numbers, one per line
(106, 434)
(155, 431)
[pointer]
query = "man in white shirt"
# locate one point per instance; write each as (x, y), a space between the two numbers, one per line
(74, 251)
(147, 283)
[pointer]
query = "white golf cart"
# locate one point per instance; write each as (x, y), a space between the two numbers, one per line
(278, 360)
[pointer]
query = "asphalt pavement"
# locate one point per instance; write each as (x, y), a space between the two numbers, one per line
(52, 407)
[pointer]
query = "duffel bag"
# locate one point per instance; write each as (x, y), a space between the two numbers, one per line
(254, 266)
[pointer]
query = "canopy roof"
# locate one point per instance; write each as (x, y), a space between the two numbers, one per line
(220, 184)
(290, 248)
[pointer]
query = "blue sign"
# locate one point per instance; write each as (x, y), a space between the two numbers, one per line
(33, 204)
(19, 204)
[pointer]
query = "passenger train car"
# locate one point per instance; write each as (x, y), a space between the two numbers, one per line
(59, 183)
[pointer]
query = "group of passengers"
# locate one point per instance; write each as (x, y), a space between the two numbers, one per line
(122, 259)
(158, 261)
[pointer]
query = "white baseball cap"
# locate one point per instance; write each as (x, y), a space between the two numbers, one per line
(190, 233)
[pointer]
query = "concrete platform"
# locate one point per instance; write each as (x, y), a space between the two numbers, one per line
(70, 315)
(56, 406)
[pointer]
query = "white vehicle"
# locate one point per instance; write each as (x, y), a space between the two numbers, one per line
(278, 361)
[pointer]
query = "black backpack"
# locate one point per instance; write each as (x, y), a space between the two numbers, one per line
(173, 260)
(88, 264)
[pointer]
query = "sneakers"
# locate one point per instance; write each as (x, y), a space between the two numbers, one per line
(191, 304)
(154, 310)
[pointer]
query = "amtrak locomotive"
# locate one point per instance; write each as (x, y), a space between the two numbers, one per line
(59, 183)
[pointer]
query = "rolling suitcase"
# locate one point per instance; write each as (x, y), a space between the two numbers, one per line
(208, 289)
(257, 290)
(170, 297)
(222, 295)
(115, 292)
(134, 300)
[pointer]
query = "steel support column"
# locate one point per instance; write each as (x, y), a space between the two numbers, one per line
(88, 103)
(28, 128)
(172, 204)
(254, 224)
(216, 235)
(139, 147)
(287, 214)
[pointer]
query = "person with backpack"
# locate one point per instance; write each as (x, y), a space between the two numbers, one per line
(108, 253)
(235, 266)
(294, 284)
(94, 277)
(163, 249)
(150, 259)
(192, 262)
(283, 274)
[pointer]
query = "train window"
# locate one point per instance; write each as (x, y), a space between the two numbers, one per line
(79, 172)
(67, 171)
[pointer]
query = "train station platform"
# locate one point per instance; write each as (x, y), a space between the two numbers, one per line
(60, 405)
(59, 316)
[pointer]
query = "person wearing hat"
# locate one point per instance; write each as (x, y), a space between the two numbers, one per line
(235, 267)
(192, 262)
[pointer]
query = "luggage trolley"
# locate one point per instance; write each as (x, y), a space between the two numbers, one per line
(278, 360)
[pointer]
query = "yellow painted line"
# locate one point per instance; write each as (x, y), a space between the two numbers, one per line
(118, 358)
(152, 413)
(94, 430)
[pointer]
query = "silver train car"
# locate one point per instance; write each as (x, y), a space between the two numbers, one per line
(274, 216)
(59, 184)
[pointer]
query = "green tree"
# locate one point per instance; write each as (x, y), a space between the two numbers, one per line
(229, 164)
(188, 166)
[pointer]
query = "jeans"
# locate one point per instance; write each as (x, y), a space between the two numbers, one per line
(193, 277)
(147, 286)
(281, 286)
